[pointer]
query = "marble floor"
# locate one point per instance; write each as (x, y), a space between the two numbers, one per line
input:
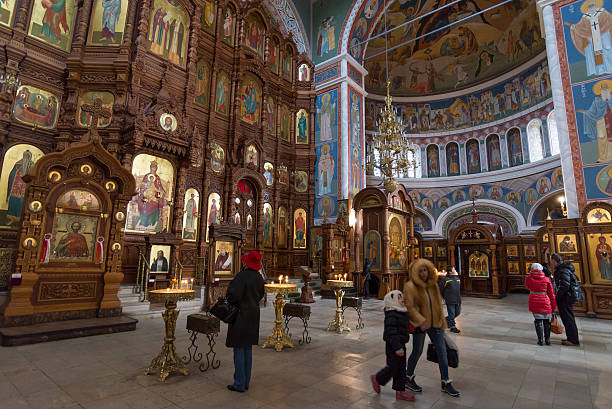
(500, 367)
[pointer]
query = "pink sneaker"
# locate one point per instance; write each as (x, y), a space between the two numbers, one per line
(375, 384)
(401, 395)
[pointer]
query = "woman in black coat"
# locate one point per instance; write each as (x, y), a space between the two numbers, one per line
(245, 291)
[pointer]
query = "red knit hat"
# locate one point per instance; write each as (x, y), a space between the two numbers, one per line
(252, 260)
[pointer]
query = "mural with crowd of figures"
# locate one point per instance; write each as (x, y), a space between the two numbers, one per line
(506, 98)
(587, 29)
(326, 149)
(443, 55)
(169, 31)
(521, 194)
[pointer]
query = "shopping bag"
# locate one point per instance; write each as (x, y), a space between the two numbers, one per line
(555, 325)
(452, 353)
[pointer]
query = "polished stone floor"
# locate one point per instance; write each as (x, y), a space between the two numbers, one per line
(500, 367)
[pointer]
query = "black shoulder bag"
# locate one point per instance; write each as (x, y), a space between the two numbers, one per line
(225, 311)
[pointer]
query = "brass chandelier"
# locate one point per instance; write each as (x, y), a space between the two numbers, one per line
(396, 155)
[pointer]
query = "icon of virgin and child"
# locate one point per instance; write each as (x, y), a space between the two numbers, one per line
(151, 201)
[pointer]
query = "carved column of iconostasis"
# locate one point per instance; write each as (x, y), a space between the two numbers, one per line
(339, 140)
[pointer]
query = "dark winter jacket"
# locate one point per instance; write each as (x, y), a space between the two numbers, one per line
(396, 329)
(563, 280)
(542, 297)
(451, 289)
(549, 274)
(245, 291)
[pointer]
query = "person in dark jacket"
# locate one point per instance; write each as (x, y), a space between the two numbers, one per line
(563, 275)
(395, 335)
(549, 275)
(451, 292)
(541, 301)
(367, 267)
(245, 291)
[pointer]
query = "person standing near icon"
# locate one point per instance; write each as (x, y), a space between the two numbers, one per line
(245, 291)
(367, 267)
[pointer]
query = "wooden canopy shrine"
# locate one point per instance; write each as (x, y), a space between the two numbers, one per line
(384, 235)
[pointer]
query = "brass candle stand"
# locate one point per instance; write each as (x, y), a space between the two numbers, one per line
(338, 324)
(167, 361)
(279, 339)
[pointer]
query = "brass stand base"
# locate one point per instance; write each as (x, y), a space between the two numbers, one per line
(278, 339)
(338, 324)
(167, 361)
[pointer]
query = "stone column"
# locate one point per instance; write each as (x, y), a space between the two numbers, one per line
(443, 167)
(344, 74)
(552, 51)
(503, 145)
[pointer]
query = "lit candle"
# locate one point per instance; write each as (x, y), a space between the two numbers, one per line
(280, 278)
(344, 276)
(272, 282)
(287, 279)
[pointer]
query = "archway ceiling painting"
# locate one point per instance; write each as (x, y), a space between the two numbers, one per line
(472, 51)
(289, 22)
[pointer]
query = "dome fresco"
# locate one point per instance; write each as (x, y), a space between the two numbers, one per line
(449, 58)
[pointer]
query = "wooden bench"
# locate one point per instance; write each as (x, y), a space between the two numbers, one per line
(301, 311)
(355, 303)
(209, 326)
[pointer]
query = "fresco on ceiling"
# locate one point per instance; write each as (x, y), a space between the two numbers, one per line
(522, 194)
(327, 21)
(444, 58)
(509, 97)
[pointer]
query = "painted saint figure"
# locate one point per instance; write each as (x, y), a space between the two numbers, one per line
(250, 101)
(327, 113)
(302, 128)
(191, 212)
(267, 227)
(221, 95)
(72, 244)
(110, 18)
(355, 120)
(160, 264)
(16, 187)
(212, 213)
(54, 20)
(603, 253)
(598, 119)
(591, 36)
(325, 170)
(567, 245)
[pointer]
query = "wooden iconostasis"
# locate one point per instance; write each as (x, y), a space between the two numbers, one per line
(212, 111)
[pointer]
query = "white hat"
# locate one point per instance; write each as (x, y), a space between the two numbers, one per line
(536, 267)
(393, 301)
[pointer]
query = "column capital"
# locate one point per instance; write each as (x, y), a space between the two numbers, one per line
(341, 68)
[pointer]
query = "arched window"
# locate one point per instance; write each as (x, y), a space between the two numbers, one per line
(414, 171)
(452, 159)
(472, 153)
(433, 161)
(534, 138)
(553, 136)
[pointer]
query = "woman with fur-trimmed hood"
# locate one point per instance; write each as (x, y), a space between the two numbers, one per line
(424, 303)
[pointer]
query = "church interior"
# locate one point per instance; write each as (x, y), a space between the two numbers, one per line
(147, 147)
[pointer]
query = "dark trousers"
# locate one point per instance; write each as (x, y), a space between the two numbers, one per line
(566, 311)
(243, 361)
(436, 335)
(366, 286)
(453, 312)
(394, 369)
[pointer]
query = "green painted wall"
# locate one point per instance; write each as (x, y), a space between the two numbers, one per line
(327, 19)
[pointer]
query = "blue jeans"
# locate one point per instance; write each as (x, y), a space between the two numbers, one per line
(436, 335)
(453, 312)
(243, 361)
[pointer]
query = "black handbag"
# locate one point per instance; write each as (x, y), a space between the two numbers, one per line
(451, 355)
(225, 311)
